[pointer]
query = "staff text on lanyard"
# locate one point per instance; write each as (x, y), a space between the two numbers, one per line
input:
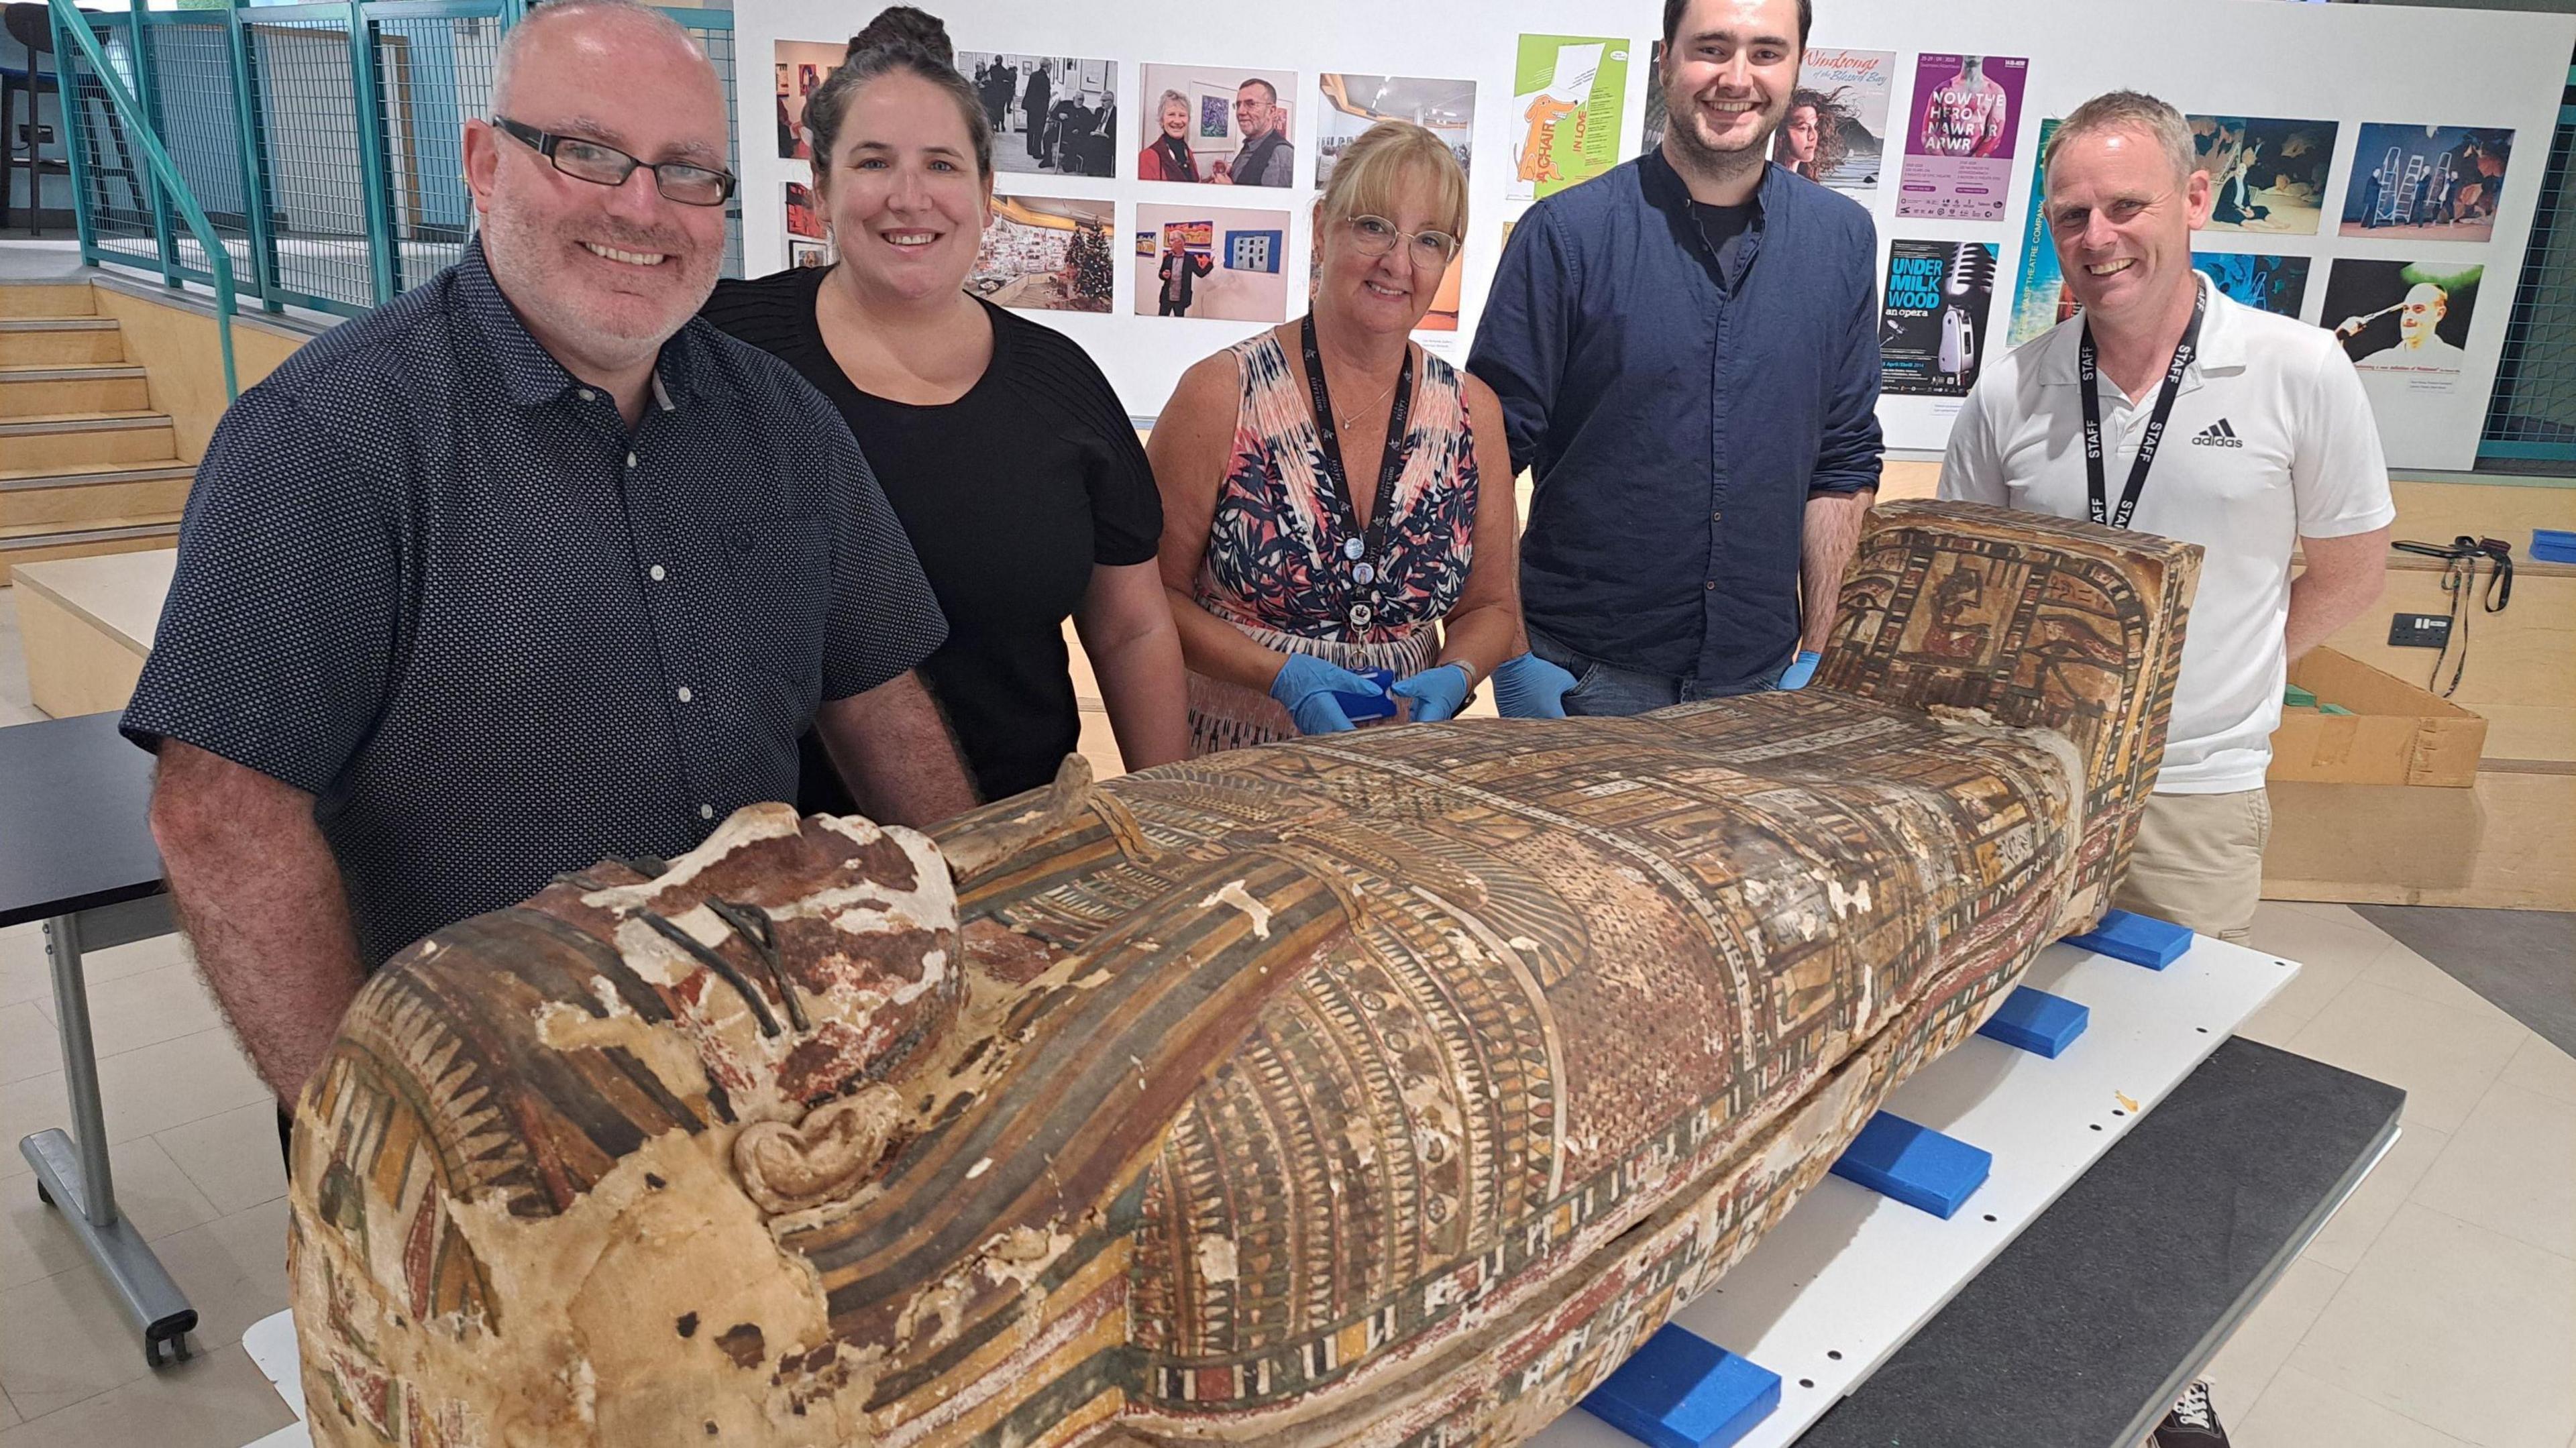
(2087, 371)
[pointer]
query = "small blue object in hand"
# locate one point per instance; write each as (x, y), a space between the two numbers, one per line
(1323, 697)
(1376, 705)
(1801, 669)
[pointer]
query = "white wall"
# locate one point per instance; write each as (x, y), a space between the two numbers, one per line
(2347, 63)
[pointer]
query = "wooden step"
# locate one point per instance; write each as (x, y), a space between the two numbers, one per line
(79, 497)
(47, 299)
(59, 341)
(50, 391)
(86, 439)
(107, 535)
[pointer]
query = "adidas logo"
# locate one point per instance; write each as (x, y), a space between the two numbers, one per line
(2218, 434)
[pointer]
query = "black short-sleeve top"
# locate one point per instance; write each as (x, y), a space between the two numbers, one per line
(1010, 494)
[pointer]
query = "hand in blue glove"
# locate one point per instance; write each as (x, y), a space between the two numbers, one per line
(1438, 692)
(1529, 687)
(1307, 684)
(1801, 669)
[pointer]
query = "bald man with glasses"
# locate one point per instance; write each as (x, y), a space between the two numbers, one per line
(526, 569)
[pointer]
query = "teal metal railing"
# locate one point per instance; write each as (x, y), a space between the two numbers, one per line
(323, 139)
(169, 190)
(2531, 414)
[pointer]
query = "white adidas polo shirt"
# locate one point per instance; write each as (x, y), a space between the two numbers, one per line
(2271, 440)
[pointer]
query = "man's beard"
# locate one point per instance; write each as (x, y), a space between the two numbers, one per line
(1698, 155)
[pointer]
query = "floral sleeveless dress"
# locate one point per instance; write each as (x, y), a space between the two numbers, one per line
(1278, 562)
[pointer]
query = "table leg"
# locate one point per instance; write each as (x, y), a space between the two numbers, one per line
(73, 1174)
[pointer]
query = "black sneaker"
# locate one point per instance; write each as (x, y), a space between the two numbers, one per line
(2193, 1423)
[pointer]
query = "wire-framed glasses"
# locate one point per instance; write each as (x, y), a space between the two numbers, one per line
(607, 166)
(1376, 236)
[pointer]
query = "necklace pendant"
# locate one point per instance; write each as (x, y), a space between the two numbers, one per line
(1362, 573)
(1353, 548)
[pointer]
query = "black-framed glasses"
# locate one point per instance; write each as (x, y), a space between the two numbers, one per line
(608, 166)
(1376, 236)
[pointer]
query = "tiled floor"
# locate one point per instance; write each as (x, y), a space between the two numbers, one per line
(2437, 1309)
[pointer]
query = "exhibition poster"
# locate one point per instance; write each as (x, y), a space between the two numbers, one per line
(1836, 128)
(2040, 298)
(1218, 125)
(1933, 323)
(1353, 103)
(1049, 113)
(1046, 254)
(2405, 317)
(2264, 175)
(2426, 183)
(2276, 284)
(1959, 144)
(1567, 96)
(804, 214)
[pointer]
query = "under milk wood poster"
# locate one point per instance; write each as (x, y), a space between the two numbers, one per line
(1932, 330)
(1568, 93)
(1959, 140)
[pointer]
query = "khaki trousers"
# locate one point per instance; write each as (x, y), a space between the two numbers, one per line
(2199, 861)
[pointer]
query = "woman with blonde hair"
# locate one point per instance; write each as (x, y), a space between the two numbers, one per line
(1169, 158)
(1335, 499)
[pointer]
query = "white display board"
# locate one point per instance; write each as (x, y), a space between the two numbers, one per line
(2354, 65)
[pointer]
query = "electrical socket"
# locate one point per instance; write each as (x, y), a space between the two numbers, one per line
(2419, 630)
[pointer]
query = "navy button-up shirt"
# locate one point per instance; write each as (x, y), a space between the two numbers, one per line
(1676, 417)
(431, 578)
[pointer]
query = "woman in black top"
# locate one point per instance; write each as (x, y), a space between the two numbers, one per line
(1001, 446)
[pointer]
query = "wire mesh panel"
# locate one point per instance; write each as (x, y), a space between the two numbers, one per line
(306, 94)
(116, 193)
(433, 74)
(190, 100)
(2531, 417)
(713, 31)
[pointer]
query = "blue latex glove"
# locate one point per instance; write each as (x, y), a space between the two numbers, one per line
(1438, 692)
(1307, 684)
(1529, 687)
(1801, 669)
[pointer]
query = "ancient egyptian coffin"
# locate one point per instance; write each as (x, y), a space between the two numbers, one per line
(1385, 1088)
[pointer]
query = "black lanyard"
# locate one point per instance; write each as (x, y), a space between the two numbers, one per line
(2086, 371)
(1365, 559)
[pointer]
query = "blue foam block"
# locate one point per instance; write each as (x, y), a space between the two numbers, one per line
(2137, 939)
(1682, 1391)
(2036, 1021)
(1914, 1164)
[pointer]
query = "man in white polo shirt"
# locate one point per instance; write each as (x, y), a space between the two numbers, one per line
(2220, 425)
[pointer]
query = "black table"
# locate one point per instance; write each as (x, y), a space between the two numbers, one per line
(76, 853)
(2083, 1331)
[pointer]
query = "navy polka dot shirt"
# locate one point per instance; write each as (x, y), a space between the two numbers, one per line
(431, 578)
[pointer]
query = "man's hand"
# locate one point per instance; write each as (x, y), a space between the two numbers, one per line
(896, 755)
(260, 896)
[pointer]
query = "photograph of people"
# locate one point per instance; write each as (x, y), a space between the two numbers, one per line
(1210, 262)
(802, 65)
(1007, 457)
(2427, 183)
(1335, 499)
(1049, 113)
(1229, 128)
(2394, 316)
(2265, 175)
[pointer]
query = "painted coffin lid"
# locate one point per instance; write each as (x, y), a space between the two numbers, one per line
(1383, 1088)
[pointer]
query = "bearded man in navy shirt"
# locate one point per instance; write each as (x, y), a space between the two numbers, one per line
(1686, 350)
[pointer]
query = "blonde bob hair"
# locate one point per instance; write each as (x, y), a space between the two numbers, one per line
(1397, 158)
